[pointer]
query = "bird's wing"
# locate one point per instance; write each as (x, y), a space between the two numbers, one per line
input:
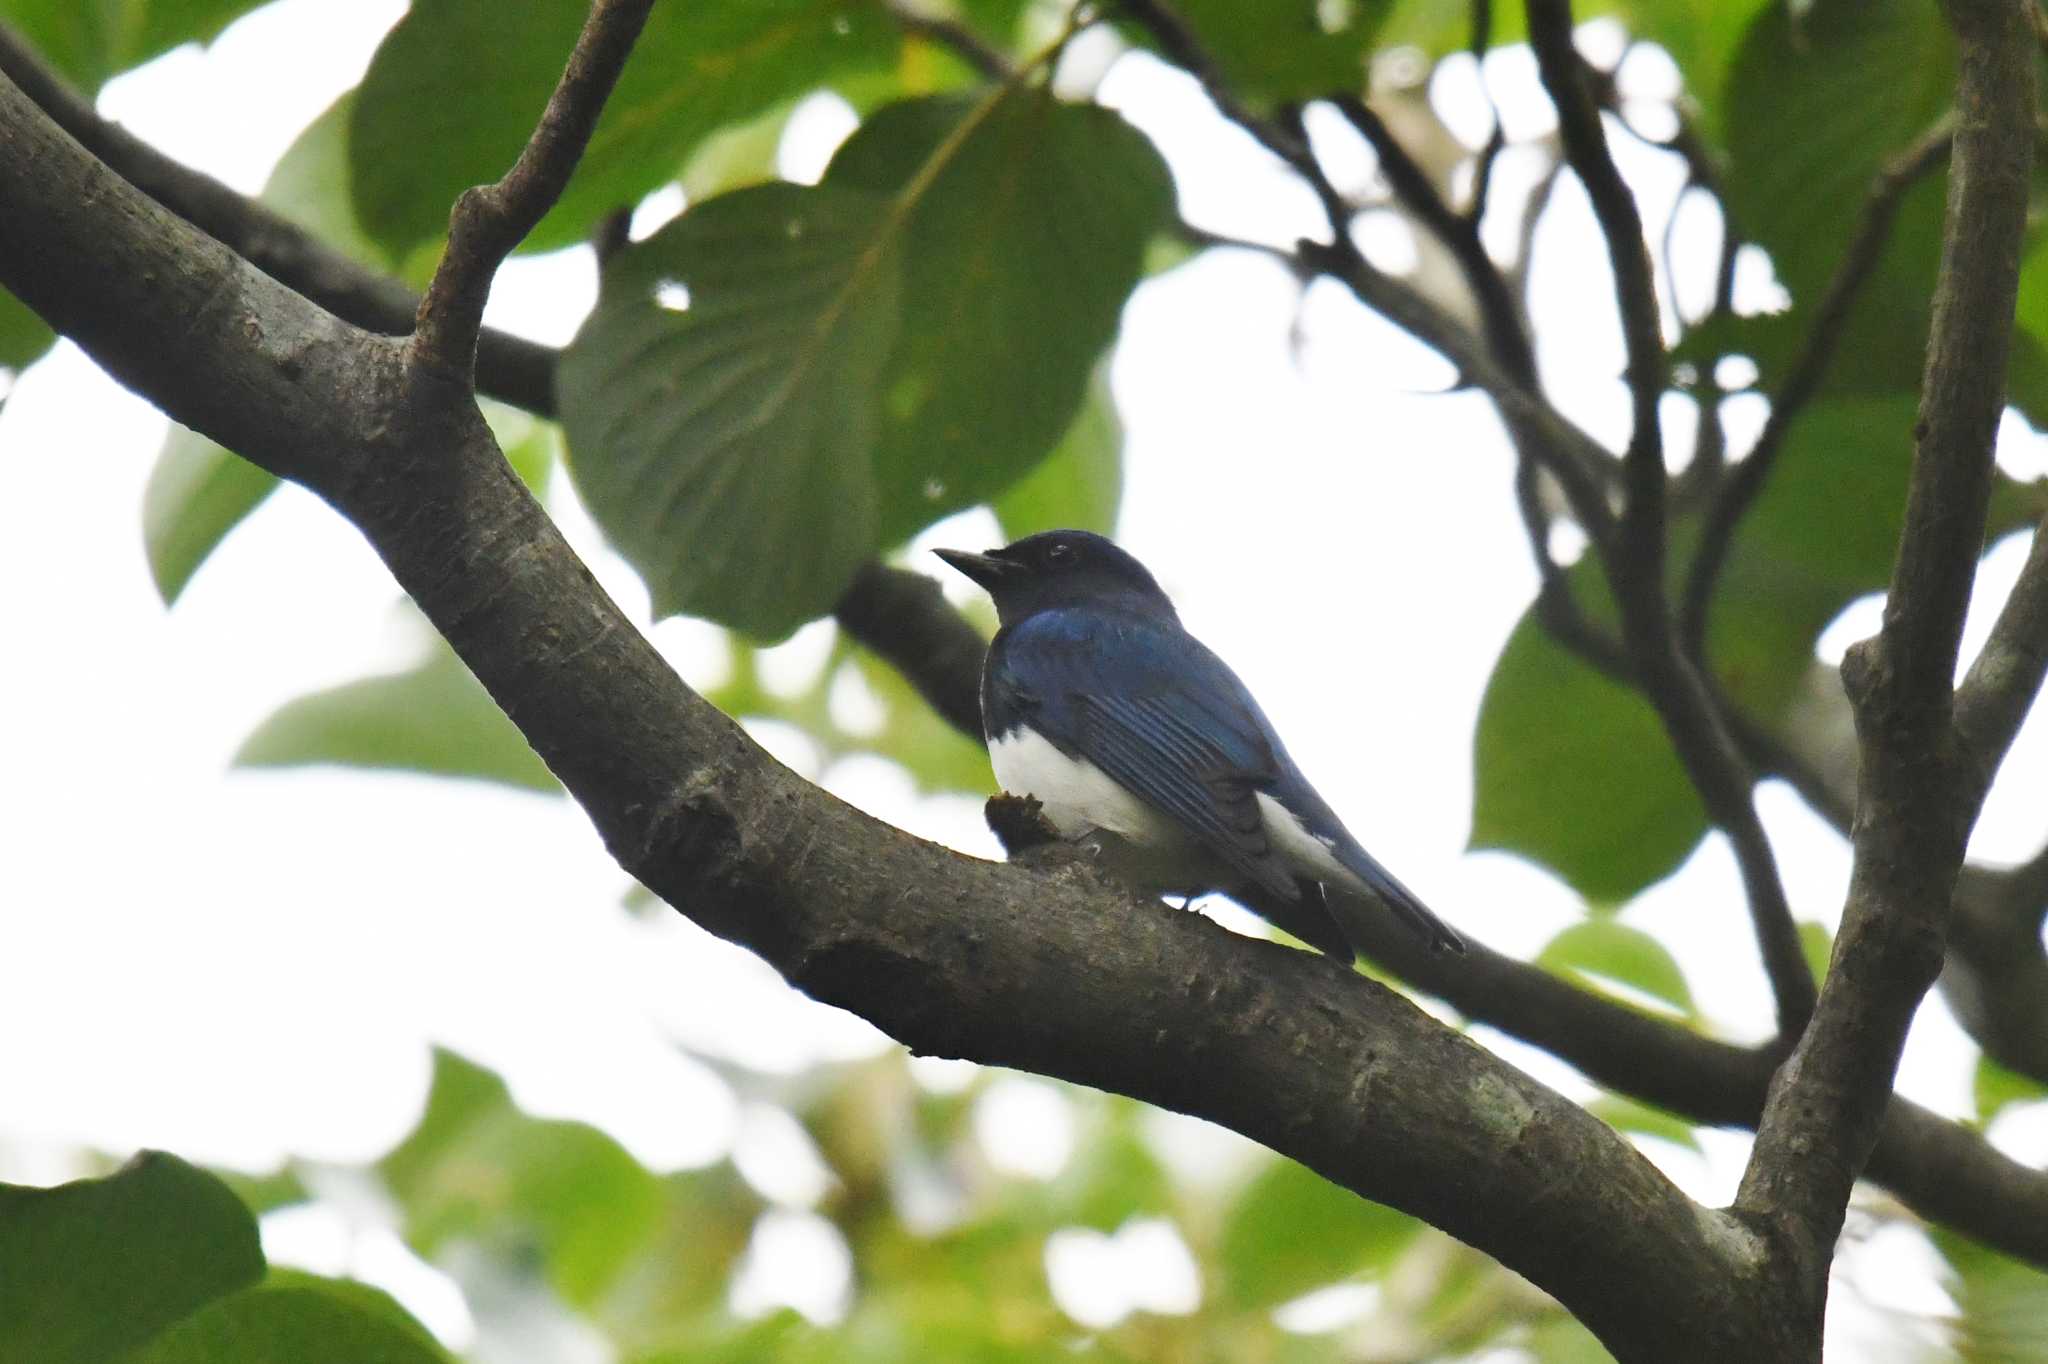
(1162, 716)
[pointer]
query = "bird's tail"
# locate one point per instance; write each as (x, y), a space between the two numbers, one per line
(1388, 890)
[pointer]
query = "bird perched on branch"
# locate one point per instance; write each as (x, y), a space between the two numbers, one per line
(1137, 739)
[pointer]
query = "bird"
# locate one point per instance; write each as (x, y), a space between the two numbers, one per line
(1142, 745)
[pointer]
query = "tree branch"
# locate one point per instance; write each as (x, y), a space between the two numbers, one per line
(490, 220)
(1917, 799)
(2002, 684)
(949, 954)
(510, 368)
(1809, 370)
(1635, 287)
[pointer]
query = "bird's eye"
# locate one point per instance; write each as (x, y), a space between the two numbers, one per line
(1060, 554)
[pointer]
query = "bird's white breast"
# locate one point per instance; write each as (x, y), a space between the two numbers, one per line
(1079, 797)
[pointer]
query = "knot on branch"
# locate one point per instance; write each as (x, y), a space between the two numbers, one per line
(1019, 824)
(1865, 671)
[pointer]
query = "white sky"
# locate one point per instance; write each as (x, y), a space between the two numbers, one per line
(241, 965)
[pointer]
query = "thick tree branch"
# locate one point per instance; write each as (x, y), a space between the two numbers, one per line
(510, 368)
(1808, 371)
(1917, 798)
(949, 954)
(490, 220)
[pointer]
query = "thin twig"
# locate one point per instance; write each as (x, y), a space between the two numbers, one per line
(2001, 686)
(961, 40)
(1808, 372)
(1614, 206)
(1458, 233)
(490, 220)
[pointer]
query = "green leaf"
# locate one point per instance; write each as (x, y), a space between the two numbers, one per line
(426, 127)
(1290, 1231)
(197, 493)
(309, 185)
(1818, 946)
(1024, 223)
(1607, 949)
(2002, 1305)
(90, 41)
(1996, 1087)
(1624, 1114)
(724, 448)
(1281, 50)
(1600, 799)
(94, 1268)
(435, 717)
(23, 335)
(1081, 483)
(479, 1170)
(295, 1318)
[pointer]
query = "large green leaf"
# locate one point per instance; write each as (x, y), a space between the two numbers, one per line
(479, 1170)
(1023, 223)
(1290, 1231)
(427, 125)
(309, 185)
(1573, 770)
(91, 1269)
(197, 492)
(435, 717)
(1602, 800)
(724, 447)
(295, 1318)
(90, 40)
(1080, 484)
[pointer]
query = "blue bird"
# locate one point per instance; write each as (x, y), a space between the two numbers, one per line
(1134, 737)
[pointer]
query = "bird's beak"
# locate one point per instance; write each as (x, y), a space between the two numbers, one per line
(985, 569)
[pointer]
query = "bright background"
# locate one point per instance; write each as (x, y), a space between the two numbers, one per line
(245, 965)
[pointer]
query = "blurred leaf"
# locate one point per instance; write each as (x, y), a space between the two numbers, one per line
(435, 717)
(1284, 50)
(1290, 1231)
(23, 336)
(1995, 1087)
(725, 448)
(1574, 770)
(197, 492)
(479, 1170)
(1023, 223)
(1627, 1115)
(1079, 485)
(88, 42)
(1602, 800)
(425, 128)
(93, 1268)
(263, 1193)
(1818, 945)
(1613, 950)
(295, 1318)
(1112, 1176)
(309, 185)
(1560, 1340)
(2002, 1305)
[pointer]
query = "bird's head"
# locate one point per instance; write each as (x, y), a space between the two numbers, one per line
(1057, 568)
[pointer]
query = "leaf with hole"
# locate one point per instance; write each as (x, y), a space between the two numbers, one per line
(720, 401)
